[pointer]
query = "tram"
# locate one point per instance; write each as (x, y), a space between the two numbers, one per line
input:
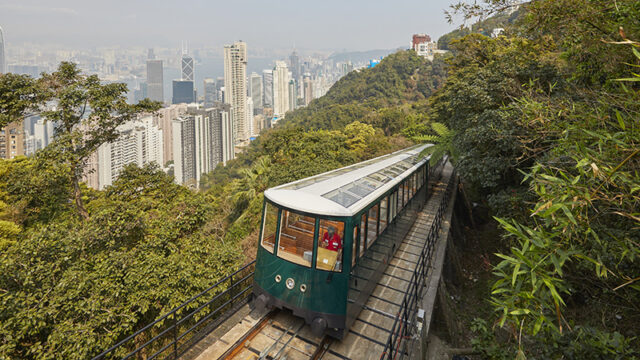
(326, 240)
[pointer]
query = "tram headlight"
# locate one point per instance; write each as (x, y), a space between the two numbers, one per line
(278, 278)
(303, 288)
(290, 283)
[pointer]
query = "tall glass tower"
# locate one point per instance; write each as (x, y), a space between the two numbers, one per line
(3, 61)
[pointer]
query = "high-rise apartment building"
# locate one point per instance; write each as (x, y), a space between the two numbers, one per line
(267, 88)
(184, 152)
(308, 89)
(227, 141)
(164, 120)
(155, 80)
(250, 116)
(235, 88)
(280, 89)
(202, 138)
(12, 140)
(3, 61)
(255, 91)
(140, 142)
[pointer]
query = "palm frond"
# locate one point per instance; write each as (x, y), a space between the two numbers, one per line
(440, 129)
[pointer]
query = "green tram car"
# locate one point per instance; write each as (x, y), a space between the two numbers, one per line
(369, 206)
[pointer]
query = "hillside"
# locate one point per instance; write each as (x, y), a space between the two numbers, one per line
(372, 95)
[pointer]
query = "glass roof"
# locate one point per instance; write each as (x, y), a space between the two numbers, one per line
(353, 192)
(334, 173)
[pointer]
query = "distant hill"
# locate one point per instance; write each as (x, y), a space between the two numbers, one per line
(484, 27)
(362, 56)
(401, 78)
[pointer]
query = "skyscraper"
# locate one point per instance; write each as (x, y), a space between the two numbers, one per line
(182, 92)
(210, 92)
(294, 61)
(187, 67)
(3, 62)
(255, 88)
(280, 89)
(293, 95)
(235, 88)
(267, 88)
(155, 80)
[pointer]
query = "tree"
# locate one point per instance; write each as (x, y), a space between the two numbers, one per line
(86, 115)
(19, 95)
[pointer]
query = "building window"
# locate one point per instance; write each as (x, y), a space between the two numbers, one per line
(330, 240)
(269, 226)
(295, 242)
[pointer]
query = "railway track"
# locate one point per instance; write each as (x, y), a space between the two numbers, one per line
(278, 336)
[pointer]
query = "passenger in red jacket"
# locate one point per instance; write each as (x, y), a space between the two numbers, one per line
(332, 240)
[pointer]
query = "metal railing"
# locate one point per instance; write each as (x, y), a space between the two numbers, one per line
(175, 332)
(405, 322)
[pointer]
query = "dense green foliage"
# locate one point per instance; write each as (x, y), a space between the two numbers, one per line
(549, 139)
(71, 288)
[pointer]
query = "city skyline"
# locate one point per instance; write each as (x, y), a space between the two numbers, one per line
(331, 25)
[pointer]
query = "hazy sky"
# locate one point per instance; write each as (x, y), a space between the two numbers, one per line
(321, 24)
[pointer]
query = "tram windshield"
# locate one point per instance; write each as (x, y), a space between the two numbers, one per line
(330, 241)
(269, 226)
(295, 243)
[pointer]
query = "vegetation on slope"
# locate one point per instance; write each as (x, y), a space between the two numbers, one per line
(548, 138)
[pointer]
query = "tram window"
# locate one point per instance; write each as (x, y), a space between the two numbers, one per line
(392, 205)
(354, 240)
(269, 225)
(372, 228)
(330, 238)
(384, 204)
(413, 184)
(405, 192)
(295, 243)
(363, 233)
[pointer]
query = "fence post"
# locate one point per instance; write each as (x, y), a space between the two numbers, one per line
(175, 336)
